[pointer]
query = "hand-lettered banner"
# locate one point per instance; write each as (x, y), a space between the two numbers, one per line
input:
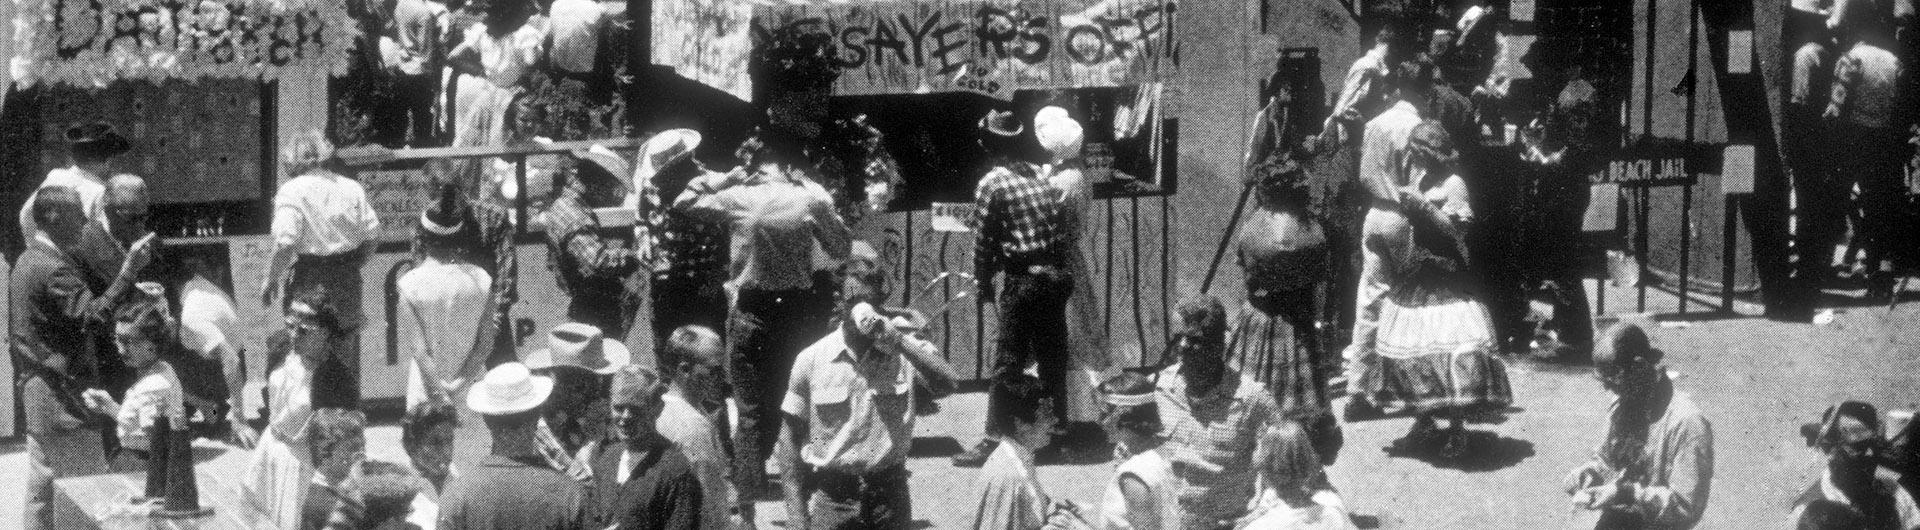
(706, 41)
(90, 42)
(987, 47)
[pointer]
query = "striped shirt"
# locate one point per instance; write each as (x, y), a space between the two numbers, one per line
(1221, 428)
(1017, 215)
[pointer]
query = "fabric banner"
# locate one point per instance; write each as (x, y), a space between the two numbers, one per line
(91, 42)
(990, 47)
(708, 41)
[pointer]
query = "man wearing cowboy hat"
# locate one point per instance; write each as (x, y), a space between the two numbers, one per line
(641, 479)
(594, 258)
(688, 254)
(579, 358)
(1022, 229)
(776, 217)
(91, 148)
(1655, 467)
(514, 487)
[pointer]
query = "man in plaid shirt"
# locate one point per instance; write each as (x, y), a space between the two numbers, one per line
(596, 265)
(1021, 230)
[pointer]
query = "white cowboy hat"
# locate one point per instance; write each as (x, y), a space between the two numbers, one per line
(614, 164)
(1058, 132)
(581, 345)
(663, 150)
(509, 389)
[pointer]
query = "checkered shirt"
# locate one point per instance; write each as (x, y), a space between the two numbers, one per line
(1221, 428)
(581, 253)
(1017, 214)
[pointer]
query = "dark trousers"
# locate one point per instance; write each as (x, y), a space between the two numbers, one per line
(1033, 329)
(406, 118)
(1875, 166)
(877, 500)
(683, 300)
(606, 305)
(765, 331)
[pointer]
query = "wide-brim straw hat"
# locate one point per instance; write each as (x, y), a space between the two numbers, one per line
(665, 149)
(510, 388)
(580, 345)
(611, 162)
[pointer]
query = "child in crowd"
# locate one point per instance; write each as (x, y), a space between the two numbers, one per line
(1009, 488)
(1293, 494)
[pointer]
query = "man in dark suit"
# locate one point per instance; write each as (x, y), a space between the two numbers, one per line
(53, 310)
(101, 252)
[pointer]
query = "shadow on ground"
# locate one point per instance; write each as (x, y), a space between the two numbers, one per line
(1485, 451)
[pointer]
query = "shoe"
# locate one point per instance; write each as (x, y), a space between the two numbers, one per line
(1362, 410)
(977, 456)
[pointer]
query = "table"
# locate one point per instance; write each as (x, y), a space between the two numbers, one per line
(100, 501)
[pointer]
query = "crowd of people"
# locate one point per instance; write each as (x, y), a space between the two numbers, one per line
(775, 351)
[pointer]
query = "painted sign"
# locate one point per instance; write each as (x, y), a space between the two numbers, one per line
(920, 47)
(398, 197)
(711, 42)
(90, 42)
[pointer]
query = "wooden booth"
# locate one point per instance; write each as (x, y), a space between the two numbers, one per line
(202, 89)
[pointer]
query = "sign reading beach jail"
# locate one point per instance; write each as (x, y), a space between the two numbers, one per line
(89, 42)
(987, 47)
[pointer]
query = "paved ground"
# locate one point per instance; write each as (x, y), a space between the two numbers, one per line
(1757, 381)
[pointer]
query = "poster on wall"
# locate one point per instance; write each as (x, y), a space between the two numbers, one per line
(398, 197)
(91, 42)
(197, 142)
(711, 42)
(924, 46)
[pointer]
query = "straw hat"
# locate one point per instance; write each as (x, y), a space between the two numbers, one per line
(608, 160)
(1002, 123)
(581, 345)
(509, 389)
(662, 150)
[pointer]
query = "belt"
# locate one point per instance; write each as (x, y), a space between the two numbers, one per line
(1030, 263)
(317, 260)
(843, 485)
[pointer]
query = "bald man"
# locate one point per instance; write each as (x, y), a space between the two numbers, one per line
(103, 252)
(1655, 467)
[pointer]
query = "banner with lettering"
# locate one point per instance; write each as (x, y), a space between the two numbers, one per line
(91, 42)
(706, 41)
(990, 47)
(398, 197)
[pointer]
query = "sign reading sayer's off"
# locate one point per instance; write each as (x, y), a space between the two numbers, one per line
(986, 47)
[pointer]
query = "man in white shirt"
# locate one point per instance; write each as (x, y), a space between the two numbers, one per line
(410, 51)
(694, 417)
(1385, 178)
(91, 148)
(443, 302)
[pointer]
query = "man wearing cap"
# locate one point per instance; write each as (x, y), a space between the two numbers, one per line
(694, 415)
(480, 233)
(1851, 436)
(849, 416)
(1214, 416)
(513, 487)
(1655, 467)
(595, 258)
(1024, 229)
(688, 253)
(776, 217)
(443, 306)
(641, 480)
(91, 148)
(51, 311)
(579, 358)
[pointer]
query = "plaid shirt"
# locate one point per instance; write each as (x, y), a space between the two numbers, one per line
(488, 230)
(579, 250)
(1017, 215)
(1221, 428)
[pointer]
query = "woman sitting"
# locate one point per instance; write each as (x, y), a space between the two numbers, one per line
(141, 328)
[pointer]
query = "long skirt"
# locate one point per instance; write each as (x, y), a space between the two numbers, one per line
(1279, 350)
(275, 480)
(1436, 353)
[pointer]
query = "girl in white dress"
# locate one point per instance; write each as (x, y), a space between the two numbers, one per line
(1293, 492)
(276, 478)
